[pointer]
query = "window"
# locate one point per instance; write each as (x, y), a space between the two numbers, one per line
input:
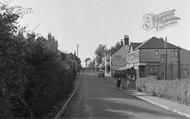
(142, 71)
(184, 73)
(162, 58)
(174, 53)
(156, 52)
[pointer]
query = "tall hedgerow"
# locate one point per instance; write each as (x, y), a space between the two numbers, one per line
(33, 78)
(12, 64)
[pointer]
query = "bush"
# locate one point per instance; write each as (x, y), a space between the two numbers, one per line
(50, 79)
(34, 78)
(177, 90)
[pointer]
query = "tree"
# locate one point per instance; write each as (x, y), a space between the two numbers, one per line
(100, 53)
(51, 77)
(13, 68)
(33, 78)
(87, 60)
(92, 64)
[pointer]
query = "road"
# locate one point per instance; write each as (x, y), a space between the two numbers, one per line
(97, 98)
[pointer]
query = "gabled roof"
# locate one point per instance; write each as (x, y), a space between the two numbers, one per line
(115, 50)
(124, 48)
(134, 45)
(156, 43)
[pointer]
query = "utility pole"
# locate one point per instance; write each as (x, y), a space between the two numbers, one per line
(77, 57)
(75, 60)
(165, 66)
(179, 63)
(77, 49)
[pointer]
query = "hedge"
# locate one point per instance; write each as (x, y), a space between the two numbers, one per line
(33, 77)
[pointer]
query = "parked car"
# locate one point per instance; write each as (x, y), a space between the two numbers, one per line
(101, 73)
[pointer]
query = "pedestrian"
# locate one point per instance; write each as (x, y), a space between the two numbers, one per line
(118, 84)
(128, 80)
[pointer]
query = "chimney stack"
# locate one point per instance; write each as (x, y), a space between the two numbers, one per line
(121, 42)
(126, 39)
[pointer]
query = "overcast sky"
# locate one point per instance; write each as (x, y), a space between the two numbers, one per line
(93, 22)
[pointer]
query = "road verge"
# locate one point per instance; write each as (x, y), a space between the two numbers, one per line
(68, 100)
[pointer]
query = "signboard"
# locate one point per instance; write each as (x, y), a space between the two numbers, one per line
(133, 57)
(160, 21)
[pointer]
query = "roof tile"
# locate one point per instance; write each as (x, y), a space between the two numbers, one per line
(156, 43)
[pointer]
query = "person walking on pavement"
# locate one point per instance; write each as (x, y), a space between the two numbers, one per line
(118, 84)
(128, 81)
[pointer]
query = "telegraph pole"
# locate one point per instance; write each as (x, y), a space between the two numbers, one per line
(77, 49)
(179, 63)
(77, 57)
(165, 66)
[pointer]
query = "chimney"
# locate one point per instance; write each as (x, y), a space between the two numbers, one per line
(121, 42)
(126, 39)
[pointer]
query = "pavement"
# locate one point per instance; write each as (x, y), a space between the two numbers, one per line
(163, 103)
(97, 98)
(176, 107)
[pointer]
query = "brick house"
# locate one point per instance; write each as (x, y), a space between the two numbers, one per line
(118, 59)
(149, 58)
(184, 63)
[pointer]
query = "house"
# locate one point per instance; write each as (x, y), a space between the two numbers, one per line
(51, 43)
(118, 59)
(149, 58)
(133, 45)
(184, 63)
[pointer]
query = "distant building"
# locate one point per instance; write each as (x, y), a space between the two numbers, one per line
(51, 43)
(118, 59)
(107, 61)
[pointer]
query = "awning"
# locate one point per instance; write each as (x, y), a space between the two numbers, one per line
(126, 67)
(123, 68)
(101, 65)
(114, 68)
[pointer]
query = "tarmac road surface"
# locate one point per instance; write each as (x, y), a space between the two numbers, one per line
(97, 98)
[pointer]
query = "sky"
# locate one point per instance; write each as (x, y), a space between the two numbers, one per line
(93, 22)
